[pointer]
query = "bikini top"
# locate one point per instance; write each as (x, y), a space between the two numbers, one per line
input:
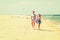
(33, 16)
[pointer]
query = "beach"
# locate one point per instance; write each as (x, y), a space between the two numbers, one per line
(18, 27)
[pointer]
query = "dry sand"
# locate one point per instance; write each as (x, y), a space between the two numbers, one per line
(16, 27)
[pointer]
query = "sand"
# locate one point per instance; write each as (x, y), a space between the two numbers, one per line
(17, 27)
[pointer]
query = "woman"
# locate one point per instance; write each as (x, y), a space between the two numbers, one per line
(33, 17)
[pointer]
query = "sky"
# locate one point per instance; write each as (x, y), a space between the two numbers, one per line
(25, 7)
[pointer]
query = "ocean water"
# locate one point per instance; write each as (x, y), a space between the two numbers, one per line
(53, 18)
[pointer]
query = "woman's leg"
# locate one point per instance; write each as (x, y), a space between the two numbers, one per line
(33, 24)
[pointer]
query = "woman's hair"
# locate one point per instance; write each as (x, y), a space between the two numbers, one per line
(33, 11)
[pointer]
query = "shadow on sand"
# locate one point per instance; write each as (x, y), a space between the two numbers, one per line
(45, 30)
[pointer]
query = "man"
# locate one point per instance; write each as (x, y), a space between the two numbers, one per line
(38, 20)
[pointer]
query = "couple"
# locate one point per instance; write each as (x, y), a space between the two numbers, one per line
(36, 19)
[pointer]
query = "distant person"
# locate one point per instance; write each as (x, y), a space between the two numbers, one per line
(33, 17)
(38, 20)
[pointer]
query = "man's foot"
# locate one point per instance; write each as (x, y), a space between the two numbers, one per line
(38, 28)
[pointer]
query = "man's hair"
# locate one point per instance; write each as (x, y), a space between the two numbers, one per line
(39, 15)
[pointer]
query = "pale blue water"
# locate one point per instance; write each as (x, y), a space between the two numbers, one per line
(53, 18)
